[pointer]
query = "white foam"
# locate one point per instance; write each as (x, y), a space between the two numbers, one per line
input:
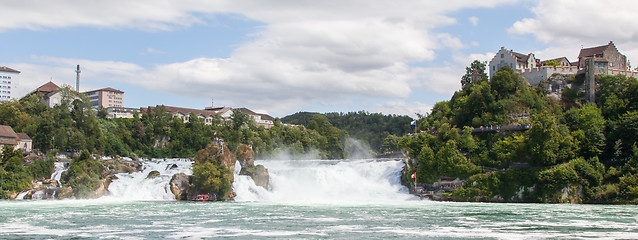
(327, 182)
(136, 186)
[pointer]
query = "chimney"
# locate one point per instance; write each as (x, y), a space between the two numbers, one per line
(77, 79)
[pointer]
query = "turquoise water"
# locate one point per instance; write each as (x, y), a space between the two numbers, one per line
(305, 199)
(111, 219)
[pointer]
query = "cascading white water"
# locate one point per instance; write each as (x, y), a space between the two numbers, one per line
(60, 167)
(50, 191)
(22, 195)
(326, 181)
(136, 186)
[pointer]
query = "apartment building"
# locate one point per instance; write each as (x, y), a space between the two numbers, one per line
(8, 83)
(106, 98)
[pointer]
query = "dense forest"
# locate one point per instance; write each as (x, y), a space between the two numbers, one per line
(369, 128)
(559, 150)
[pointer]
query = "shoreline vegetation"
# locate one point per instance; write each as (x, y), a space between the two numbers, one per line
(559, 151)
(572, 152)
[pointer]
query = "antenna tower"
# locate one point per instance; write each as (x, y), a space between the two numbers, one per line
(77, 79)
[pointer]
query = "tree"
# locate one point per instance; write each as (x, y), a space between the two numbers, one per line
(505, 82)
(475, 73)
(547, 142)
(552, 63)
(588, 126)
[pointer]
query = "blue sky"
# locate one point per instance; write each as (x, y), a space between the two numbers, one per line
(281, 57)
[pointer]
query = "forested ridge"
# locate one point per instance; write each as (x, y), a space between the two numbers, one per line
(574, 151)
(370, 128)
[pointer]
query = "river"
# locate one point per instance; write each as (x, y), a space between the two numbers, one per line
(307, 200)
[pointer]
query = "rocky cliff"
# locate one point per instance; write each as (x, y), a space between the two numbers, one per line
(259, 173)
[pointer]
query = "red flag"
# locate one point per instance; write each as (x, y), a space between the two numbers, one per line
(414, 175)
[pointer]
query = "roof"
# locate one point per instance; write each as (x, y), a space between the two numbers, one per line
(185, 111)
(108, 89)
(520, 57)
(250, 112)
(7, 132)
(6, 69)
(47, 88)
(246, 111)
(588, 52)
(558, 60)
(23, 136)
(8, 142)
(266, 117)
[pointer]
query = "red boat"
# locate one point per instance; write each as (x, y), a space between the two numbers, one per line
(202, 198)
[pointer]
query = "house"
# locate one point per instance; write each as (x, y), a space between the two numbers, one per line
(224, 112)
(121, 112)
(448, 183)
(24, 142)
(184, 113)
(604, 57)
(562, 61)
(8, 137)
(8, 82)
(260, 119)
(50, 92)
(209, 113)
(516, 61)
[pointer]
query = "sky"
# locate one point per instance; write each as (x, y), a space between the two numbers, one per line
(284, 56)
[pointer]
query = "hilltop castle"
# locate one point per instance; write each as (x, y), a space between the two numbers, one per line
(605, 59)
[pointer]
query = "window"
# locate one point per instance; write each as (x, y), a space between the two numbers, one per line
(502, 55)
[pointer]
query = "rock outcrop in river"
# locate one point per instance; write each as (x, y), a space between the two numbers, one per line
(259, 173)
(213, 171)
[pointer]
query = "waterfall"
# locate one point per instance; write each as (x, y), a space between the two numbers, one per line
(326, 181)
(60, 167)
(138, 186)
(22, 194)
(51, 190)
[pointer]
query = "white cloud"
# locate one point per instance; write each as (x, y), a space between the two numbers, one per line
(566, 25)
(149, 51)
(443, 80)
(473, 20)
(401, 107)
(306, 51)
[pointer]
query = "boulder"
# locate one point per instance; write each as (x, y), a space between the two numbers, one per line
(103, 189)
(182, 186)
(115, 166)
(260, 176)
(245, 156)
(153, 174)
(173, 166)
(65, 192)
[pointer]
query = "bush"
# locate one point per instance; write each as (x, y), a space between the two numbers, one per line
(41, 169)
(84, 175)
